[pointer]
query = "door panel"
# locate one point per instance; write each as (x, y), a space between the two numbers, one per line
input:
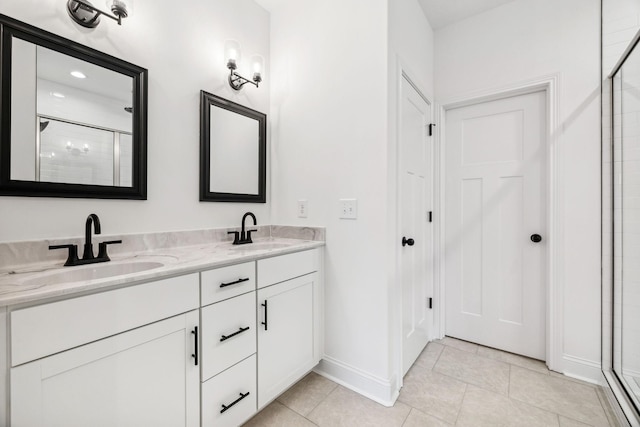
(415, 188)
(494, 201)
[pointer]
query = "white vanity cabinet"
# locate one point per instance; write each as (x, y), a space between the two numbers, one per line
(288, 321)
(209, 348)
(120, 358)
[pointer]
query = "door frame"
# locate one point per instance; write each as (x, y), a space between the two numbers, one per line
(404, 72)
(554, 186)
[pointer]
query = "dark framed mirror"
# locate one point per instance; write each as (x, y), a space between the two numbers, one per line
(233, 151)
(73, 120)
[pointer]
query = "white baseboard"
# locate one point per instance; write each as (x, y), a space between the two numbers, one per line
(582, 369)
(372, 387)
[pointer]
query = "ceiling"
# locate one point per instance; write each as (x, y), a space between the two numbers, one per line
(441, 13)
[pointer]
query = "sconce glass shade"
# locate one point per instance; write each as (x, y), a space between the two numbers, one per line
(120, 8)
(232, 53)
(257, 65)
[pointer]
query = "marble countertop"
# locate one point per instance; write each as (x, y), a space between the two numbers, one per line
(40, 281)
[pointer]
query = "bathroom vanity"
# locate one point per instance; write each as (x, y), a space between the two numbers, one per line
(201, 335)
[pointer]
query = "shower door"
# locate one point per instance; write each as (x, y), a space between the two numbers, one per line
(625, 354)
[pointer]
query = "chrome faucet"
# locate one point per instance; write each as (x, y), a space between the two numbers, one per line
(243, 237)
(87, 256)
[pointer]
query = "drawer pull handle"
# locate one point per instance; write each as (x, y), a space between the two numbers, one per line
(224, 285)
(226, 337)
(265, 315)
(195, 355)
(225, 407)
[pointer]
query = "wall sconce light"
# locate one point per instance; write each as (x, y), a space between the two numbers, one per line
(87, 15)
(232, 55)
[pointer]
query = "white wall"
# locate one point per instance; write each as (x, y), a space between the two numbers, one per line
(525, 40)
(182, 47)
(334, 66)
(329, 137)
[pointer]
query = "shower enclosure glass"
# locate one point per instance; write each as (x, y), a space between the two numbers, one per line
(625, 103)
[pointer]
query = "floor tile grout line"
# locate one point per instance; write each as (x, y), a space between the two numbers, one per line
(407, 417)
(509, 383)
(437, 358)
(321, 401)
(602, 404)
(510, 363)
(466, 387)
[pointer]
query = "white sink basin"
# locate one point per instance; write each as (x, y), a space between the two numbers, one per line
(260, 246)
(93, 272)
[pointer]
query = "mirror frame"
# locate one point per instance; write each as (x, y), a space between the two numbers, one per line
(206, 101)
(9, 28)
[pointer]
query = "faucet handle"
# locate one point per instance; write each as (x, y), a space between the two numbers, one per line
(72, 258)
(102, 251)
(236, 236)
(248, 240)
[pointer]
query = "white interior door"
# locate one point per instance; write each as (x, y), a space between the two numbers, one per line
(495, 202)
(415, 181)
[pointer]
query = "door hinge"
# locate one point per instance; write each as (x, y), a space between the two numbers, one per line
(431, 126)
(430, 302)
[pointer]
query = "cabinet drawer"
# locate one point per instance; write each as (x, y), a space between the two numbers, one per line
(285, 267)
(228, 333)
(50, 328)
(227, 282)
(223, 390)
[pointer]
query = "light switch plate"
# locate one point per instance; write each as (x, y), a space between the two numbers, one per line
(303, 208)
(348, 208)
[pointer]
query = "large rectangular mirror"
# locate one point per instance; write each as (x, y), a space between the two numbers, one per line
(232, 151)
(73, 120)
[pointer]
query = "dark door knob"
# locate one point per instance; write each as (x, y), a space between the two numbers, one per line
(406, 242)
(536, 238)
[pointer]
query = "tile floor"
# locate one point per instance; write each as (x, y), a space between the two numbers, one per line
(452, 383)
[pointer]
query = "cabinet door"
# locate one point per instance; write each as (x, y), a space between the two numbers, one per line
(285, 336)
(144, 377)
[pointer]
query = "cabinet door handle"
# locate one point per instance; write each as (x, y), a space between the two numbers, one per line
(265, 314)
(225, 407)
(226, 337)
(195, 355)
(224, 285)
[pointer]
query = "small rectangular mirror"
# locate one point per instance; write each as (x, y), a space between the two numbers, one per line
(232, 151)
(73, 119)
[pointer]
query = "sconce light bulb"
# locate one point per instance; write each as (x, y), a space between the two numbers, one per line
(119, 8)
(232, 53)
(257, 62)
